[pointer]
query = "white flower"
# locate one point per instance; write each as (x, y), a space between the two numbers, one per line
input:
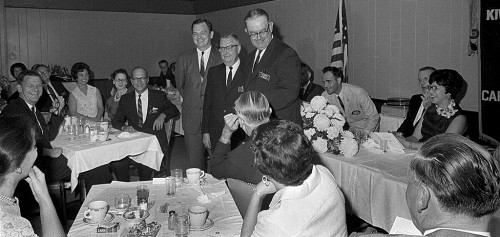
(318, 103)
(347, 135)
(320, 145)
(310, 115)
(329, 111)
(308, 108)
(348, 147)
(321, 122)
(338, 120)
(309, 132)
(335, 108)
(333, 132)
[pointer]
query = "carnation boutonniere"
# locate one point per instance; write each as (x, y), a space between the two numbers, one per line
(449, 111)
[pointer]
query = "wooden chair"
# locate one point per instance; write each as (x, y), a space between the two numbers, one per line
(57, 191)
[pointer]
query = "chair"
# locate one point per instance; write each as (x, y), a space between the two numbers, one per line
(57, 191)
(242, 193)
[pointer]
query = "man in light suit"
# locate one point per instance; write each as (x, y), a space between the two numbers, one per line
(146, 111)
(225, 83)
(191, 70)
(273, 68)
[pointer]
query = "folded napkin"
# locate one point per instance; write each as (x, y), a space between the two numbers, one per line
(207, 198)
(127, 135)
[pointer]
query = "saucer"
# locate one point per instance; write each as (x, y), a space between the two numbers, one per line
(208, 224)
(109, 217)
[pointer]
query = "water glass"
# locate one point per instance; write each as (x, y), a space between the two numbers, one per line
(181, 226)
(142, 193)
(170, 185)
(177, 174)
(383, 145)
(122, 203)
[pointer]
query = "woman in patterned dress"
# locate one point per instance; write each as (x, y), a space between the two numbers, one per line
(84, 101)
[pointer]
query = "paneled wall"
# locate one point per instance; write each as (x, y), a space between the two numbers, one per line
(104, 40)
(388, 39)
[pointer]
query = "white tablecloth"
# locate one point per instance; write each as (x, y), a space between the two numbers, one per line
(222, 210)
(374, 186)
(84, 155)
(390, 123)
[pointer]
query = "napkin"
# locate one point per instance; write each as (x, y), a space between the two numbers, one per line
(208, 198)
(127, 135)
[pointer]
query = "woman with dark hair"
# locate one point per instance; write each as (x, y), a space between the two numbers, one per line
(444, 115)
(15, 70)
(120, 80)
(307, 201)
(85, 101)
(17, 156)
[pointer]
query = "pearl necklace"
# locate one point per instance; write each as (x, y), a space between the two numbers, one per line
(8, 200)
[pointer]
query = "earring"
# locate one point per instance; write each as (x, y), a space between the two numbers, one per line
(19, 170)
(265, 180)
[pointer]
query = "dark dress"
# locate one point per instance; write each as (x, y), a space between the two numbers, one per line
(435, 124)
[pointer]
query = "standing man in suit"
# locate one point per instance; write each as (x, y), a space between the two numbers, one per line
(418, 103)
(308, 89)
(273, 67)
(53, 92)
(145, 111)
(191, 79)
(225, 83)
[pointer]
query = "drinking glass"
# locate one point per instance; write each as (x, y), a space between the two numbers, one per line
(181, 226)
(170, 185)
(383, 145)
(142, 193)
(177, 174)
(122, 203)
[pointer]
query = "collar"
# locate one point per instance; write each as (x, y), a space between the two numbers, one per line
(481, 233)
(235, 66)
(207, 51)
(29, 105)
(297, 192)
(144, 94)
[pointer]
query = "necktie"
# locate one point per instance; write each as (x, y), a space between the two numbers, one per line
(229, 76)
(139, 110)
(341, 103)
(51, 93)
(37, 120)
(301, 94)
(202, 66)
(257, 60)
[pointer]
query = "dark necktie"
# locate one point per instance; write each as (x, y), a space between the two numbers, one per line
(139, 110)
(257, 60)
(229, 76)
(37, 120)
(301, 94)
(51, 93)
(341, 103)
(202, 66)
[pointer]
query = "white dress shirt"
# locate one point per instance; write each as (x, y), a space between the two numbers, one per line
(235, 66)
(144, 101)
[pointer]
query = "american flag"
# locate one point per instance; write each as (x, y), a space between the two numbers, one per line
(339, 48)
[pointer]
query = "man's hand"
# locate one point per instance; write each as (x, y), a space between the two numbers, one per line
(129, 129)
(206, 140)
(264, 188)
(158, 125)
(232, 122)
(36, 180)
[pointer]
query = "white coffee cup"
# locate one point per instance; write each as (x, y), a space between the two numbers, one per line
(103, 136)
(97, 211)
(197, 216)
(194, 175)
(103, 126)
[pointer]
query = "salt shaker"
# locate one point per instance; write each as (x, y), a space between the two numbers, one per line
(171, 220)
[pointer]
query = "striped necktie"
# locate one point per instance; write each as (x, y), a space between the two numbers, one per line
(202, 66)
(37, 120)
(139, 111)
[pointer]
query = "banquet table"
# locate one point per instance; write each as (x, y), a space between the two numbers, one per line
(84, 155)
(374, 186)
(222, 209)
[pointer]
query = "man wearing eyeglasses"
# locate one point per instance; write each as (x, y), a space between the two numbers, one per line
(54, 93)
(273, 67)
(418, 103)
(191, 72)
(225, 83)
(145, 111)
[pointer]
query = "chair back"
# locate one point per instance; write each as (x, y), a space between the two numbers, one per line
(241, 192)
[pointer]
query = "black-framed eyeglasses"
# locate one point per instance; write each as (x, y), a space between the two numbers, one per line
(139, 78)
(432, 88)
(261, 34)
(227, 48)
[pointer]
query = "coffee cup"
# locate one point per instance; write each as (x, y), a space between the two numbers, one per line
(194, 175)
(197, 216)
(97, 211)
(103, 126)
(103, 136)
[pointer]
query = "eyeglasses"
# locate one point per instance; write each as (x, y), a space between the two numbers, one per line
(139, 78)
(122, 80)
(432, 88)
(44, 73)
(227, 48)
(260, 34)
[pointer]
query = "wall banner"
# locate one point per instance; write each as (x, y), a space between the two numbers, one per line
(489, 36)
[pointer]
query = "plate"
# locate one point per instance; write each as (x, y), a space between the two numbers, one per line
(109, 217)
(208, 224)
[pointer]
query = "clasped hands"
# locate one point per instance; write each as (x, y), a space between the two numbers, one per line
(57, 105)
(158, 124)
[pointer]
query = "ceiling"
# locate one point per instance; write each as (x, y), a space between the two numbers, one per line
(185, 7)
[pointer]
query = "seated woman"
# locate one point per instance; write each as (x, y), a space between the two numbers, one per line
(85, 101)
(17, 156)
(444, 115)
(120, 80)
(252, 109)
(307, 202)
(15, 70)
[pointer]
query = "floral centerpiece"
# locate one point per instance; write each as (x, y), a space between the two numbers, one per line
(323, 126)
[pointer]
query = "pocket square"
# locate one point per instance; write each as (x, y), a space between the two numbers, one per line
(241, 89)
(153, 110)
(264, 75)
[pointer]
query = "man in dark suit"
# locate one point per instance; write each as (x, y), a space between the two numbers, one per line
(190, 75)
(144, 111)
(225, 83)
(418, 104)
(53, 92)
(273, 68)
(308, 89)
